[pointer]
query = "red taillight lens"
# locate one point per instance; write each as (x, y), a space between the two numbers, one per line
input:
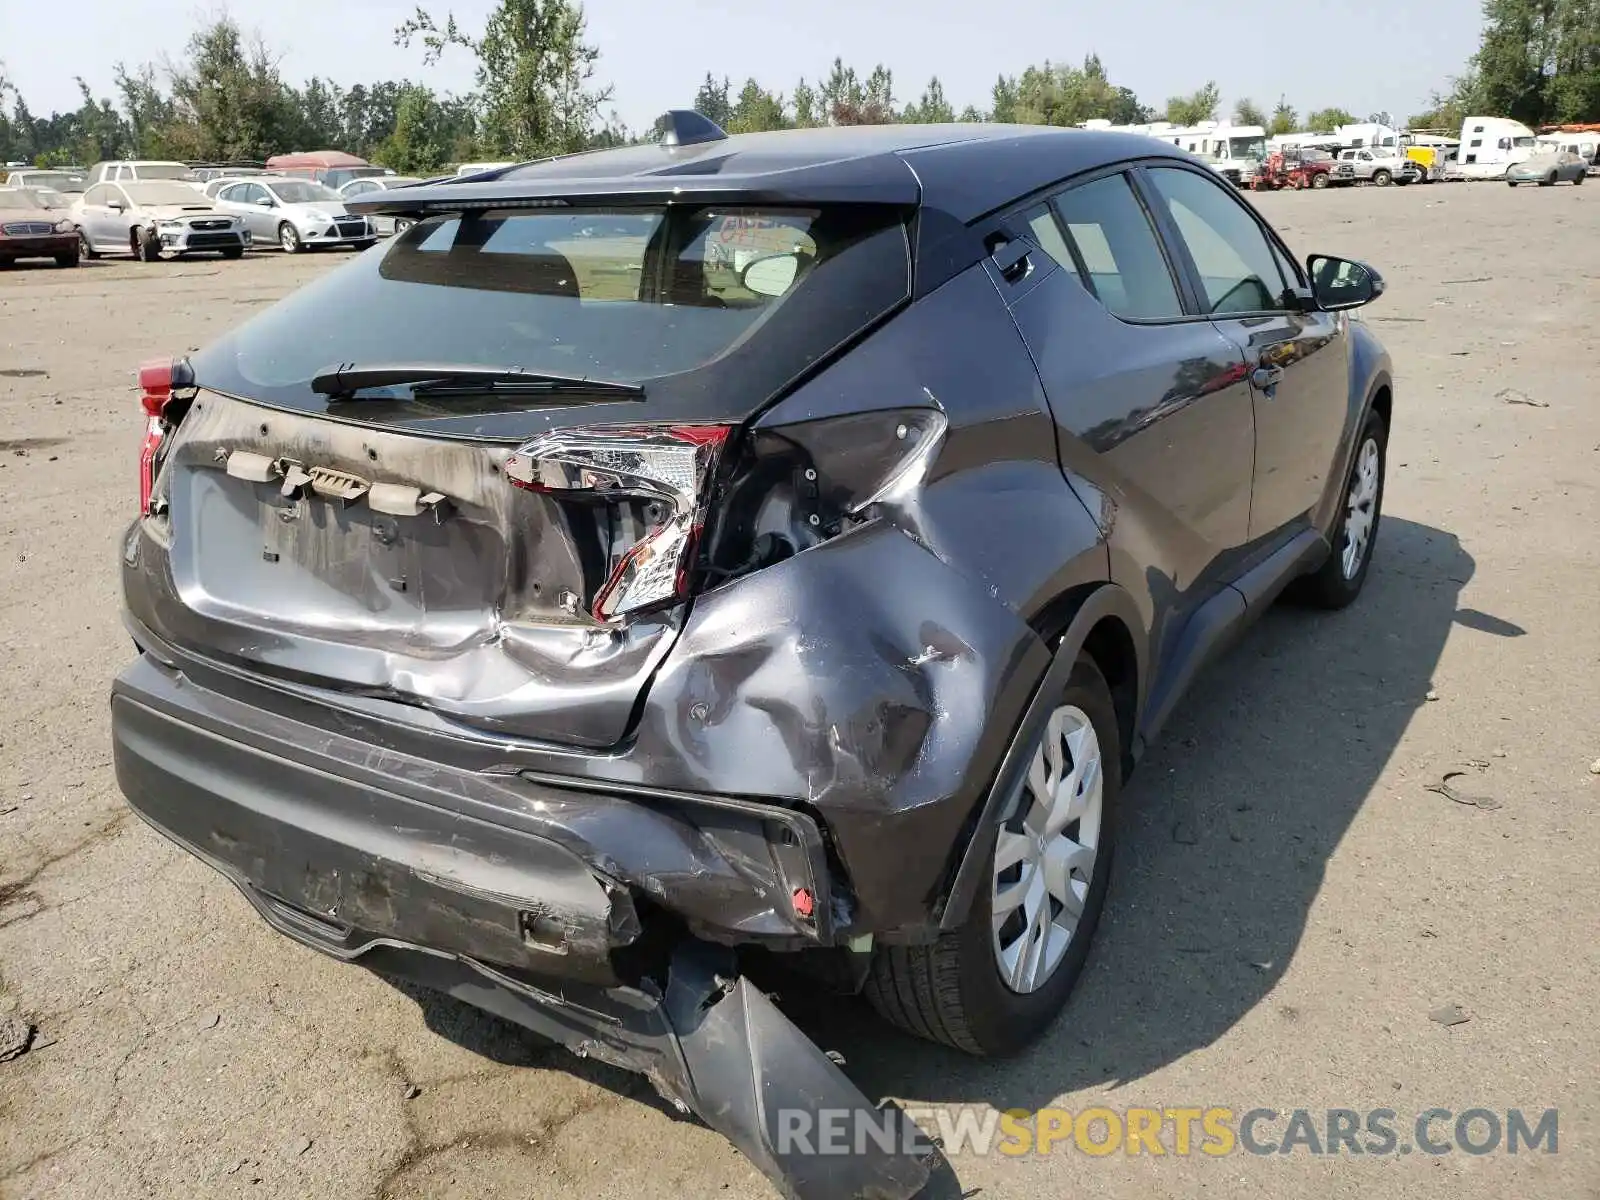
(155, 387)
(663, 471)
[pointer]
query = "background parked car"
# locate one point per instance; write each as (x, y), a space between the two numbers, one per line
(1378, 166)
(36, 226)
(206, 172)
(295, 214)
(332, 167)
(129, 170)
(60, 179)
(1548, 169)
(152, 217)
(378, 183)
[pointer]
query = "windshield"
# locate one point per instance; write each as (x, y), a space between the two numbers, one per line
(626, 295)
(301, 191)
(163, 192)
(1247, 147)
(61, 181)
(15, 198)
(164, 171)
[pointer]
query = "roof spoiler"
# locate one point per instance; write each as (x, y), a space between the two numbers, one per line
(686, 127)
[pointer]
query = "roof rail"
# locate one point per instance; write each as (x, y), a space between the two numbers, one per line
(685, 127)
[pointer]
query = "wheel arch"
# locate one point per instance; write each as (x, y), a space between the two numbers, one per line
(1103, 622)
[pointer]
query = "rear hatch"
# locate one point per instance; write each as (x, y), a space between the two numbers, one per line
(467, 472)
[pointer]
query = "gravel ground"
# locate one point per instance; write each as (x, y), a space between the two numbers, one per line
(1290, 906)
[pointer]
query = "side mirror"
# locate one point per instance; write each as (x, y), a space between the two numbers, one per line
(1342, 283)
(115, 205)
(771, 275)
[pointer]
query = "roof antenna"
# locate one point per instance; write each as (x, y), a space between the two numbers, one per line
(685, 127)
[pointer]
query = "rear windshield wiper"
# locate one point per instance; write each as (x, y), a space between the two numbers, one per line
(447, 379)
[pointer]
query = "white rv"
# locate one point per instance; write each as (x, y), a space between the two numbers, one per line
(1585, 145)
(1492, 145)
(1235, 151)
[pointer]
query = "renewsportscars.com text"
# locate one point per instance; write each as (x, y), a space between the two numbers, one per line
(1182, 1132)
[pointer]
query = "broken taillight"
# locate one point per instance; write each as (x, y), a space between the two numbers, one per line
(155, 386)
(651, 482)
(158, 380)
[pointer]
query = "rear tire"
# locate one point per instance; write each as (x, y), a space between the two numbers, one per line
(1339, 580)
(952, 991)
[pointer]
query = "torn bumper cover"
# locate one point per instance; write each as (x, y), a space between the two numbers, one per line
(521, 900)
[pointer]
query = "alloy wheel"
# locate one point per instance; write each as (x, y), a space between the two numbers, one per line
(1045, 856)
(1361, 511)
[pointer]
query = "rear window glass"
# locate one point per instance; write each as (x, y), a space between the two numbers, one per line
(630, 295)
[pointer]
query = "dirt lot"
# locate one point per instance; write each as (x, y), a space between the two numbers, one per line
(1289, 908)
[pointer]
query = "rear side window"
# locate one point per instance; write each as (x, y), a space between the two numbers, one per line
(633, 295)
(1118, 248)
(1233, 256)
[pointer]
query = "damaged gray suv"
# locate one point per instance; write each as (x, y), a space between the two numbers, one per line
(780, 543)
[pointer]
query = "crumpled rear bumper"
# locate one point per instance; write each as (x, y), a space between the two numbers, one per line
(523, 900)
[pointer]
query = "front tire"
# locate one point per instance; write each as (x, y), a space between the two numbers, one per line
(990, 987)
(1319, 181)
(289, 239)
(234, 252)
(1340, 579)
(1549, 180)
(87, 250)
(1382, 178)
(67, 258)
(146, 246)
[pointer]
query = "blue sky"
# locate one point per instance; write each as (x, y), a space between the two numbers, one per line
(1364, 55)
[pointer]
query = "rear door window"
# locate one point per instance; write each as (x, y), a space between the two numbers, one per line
(1238, 269)
(631, 295)
(1122, 258)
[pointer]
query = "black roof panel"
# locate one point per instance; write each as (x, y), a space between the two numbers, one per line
(964, 169)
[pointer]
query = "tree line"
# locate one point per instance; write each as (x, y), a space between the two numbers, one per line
(536, 94)
(1538, 62)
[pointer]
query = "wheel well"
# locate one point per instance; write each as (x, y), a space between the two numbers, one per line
(1383, 405)
(1111, 646)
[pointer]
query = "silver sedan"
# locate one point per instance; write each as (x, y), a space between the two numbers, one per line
(1548, 169)
(295, 214)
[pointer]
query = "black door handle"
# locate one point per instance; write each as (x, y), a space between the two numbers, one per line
(1266, 378)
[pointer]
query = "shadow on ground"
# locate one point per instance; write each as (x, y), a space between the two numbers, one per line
(1227, 829)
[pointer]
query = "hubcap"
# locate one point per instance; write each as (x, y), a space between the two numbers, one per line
(1045, 855)
(1362, 513)
(288, 239)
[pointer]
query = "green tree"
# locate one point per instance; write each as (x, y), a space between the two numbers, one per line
(1573, 88)
(231, 102)
(756, 111)
(535, 74)
(971, 116)
(1519, 38)
(1198, 106)
(807, 106)
(1003, 100)
(424, 137)
(1246, 112)
(714, 100)
(1326, 120)
(846, 100)
(1284, 118)
(932, 109)
(1063, 95)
